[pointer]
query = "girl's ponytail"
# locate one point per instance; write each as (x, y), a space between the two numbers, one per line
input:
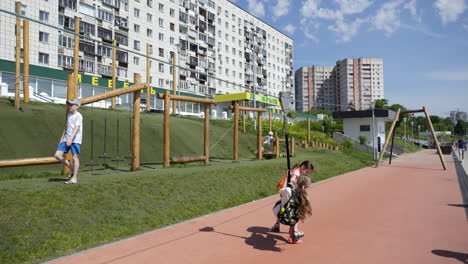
(304, 209)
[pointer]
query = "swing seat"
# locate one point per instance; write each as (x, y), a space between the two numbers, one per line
(269, 155)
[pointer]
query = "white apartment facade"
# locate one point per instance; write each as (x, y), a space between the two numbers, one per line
(352, 84)
(215, 41)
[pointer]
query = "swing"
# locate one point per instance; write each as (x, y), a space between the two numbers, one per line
(130, 155)
(104, 155)
(92, 163)
(117, 158)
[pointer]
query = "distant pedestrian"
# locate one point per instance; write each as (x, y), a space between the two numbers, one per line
(293, 206)
(71, 140)
(462, 145)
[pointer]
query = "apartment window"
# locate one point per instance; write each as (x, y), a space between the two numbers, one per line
(43, 37)
(149, 33)
(149, 3)
(172, 12)
(68, 4)
(149, 18)
(172, 26)
(136, 12)
(136, 28)
(161, 36)
(44, 16)
(65, 61)
(65, 41)
(161, 22)
(87, 28)
(161, 67)
(161, 7)
(136, 44)
(171, 40)
(161, 52)
(104, 51)
(136, 60)
(105, 15)
(43, 58)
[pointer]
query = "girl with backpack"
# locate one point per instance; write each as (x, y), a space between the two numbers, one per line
(294, 204)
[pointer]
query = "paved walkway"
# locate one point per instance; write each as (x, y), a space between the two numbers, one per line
(408, 212)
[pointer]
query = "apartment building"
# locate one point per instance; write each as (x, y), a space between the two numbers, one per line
(350, 84)
(224, 49)
(315, 88)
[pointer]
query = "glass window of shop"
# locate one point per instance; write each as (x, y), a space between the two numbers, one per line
(60, 89)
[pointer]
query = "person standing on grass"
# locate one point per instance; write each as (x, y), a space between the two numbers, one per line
(71, 140)
(287, 191)
(462, 145)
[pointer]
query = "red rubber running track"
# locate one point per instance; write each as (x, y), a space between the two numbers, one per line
(408, 212)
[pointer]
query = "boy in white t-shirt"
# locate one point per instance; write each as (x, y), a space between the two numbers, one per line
(71, 139)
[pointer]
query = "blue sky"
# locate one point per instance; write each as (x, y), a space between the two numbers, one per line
(424, 43)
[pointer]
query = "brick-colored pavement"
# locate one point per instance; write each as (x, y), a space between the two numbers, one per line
(408, 212)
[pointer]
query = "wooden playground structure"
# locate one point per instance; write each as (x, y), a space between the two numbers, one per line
(391, 134)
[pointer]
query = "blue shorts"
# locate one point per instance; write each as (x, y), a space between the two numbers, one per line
(75, 147)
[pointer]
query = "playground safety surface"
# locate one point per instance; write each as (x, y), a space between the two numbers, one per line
(408, 212)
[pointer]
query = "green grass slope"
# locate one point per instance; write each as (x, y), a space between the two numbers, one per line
(41, 218)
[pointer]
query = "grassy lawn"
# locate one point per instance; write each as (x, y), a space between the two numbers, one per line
(408, 145)
(41, 219)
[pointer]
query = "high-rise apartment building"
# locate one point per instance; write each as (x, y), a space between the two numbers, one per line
(217, 40)
(458, 115)
(350, 84)
(315, 88)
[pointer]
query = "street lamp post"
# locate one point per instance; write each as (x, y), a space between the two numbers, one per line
(419, 136)
(373, 132)
(412, 133)
(404, 121)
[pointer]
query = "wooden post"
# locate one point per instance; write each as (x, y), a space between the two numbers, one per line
(114, 71)
(236, 131)
(18, 55)
(76, 58)
(293, 147)
(207, 134)
(270, 120)
(148, 77)
(259, 137)
(277, 147)
(26, 60)
(387, 139)
(174, 85)
(308, 130)
(166, 145)
(243, 118)
(436, 141)
(71, 86)
(28, 161)
(136, 125)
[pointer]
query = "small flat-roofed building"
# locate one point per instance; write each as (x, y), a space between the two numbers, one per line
(370, 123)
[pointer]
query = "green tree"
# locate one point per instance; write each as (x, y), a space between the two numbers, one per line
(460, 128)
(381, 104)
(292, 114)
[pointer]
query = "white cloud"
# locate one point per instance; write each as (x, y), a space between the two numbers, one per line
(447, 75)
(256, 7)
(281, 8)
(450, 10)
(289, 28)
(411, 6)
(353, 6)
(306, 27)
(311, 9)
(387, 18)
(346, 30)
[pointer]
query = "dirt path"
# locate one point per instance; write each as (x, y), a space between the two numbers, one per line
(408, 212)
